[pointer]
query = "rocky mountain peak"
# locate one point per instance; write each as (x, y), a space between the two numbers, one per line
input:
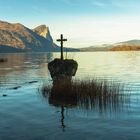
(17, 36)
(43, 31)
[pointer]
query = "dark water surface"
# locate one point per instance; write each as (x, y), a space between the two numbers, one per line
(25, 114)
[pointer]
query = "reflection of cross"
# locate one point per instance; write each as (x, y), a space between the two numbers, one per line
(62, 118)
(61, 40)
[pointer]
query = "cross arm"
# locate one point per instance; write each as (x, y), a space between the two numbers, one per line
(61, 40)
(64, 39)
(58, 40)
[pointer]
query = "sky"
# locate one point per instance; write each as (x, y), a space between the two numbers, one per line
(83, 22)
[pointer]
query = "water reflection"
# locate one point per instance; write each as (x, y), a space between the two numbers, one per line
(20, 61)
(101, 96)
(84, 116)
(21, 68)
(63, 118)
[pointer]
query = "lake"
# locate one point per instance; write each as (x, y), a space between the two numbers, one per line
(25, 114)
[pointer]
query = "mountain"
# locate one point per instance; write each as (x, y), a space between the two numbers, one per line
(43, 31)
(103, 47)
(135, 42)
(18, 38)
(131, 45)
(121, 46)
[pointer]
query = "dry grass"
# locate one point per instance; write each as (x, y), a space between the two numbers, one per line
(86, 94)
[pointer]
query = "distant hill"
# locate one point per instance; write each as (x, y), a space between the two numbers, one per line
(121, 46)
(131, 45)
(18, 38)
(103, 47)
(131, 42)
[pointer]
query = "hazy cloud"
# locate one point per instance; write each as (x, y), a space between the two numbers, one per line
(99, 4)
(72, 2)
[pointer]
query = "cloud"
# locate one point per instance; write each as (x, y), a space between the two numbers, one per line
(72, 2)
(127, 5)
(99, 4)
(117, 3)
(89, 2)
(88, 31)
(38, 10)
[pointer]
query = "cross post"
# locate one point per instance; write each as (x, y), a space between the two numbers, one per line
(61, 40)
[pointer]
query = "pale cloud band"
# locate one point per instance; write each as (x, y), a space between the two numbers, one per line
(86, 32)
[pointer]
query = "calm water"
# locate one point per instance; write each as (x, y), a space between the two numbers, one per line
(26, 115)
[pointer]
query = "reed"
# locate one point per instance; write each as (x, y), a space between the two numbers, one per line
(87, 94)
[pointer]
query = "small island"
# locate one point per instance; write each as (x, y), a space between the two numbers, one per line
(62, 68)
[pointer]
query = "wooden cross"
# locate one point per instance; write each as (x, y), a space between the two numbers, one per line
(61, 40)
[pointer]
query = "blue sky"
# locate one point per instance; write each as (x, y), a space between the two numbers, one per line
(83, 22)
